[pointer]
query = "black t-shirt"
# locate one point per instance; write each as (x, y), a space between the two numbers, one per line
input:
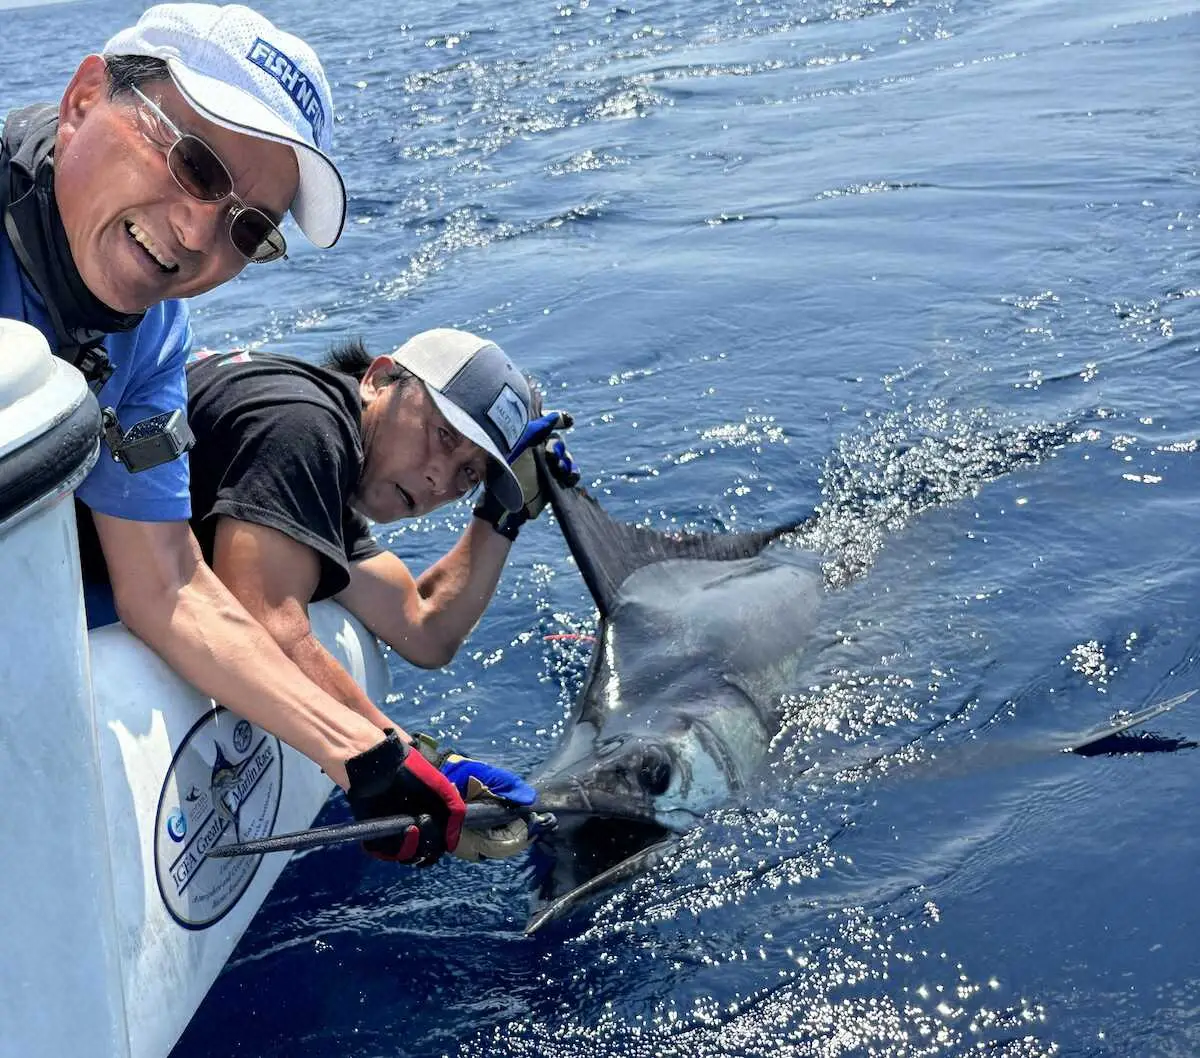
(278, 443)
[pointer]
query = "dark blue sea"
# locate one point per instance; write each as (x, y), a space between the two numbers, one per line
(929, 269)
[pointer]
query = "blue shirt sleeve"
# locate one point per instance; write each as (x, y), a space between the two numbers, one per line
(148, 379)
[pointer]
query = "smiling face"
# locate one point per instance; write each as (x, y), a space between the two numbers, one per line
(414, 460)
(136, 237)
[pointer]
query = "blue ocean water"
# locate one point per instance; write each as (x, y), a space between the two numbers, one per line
(928, 268)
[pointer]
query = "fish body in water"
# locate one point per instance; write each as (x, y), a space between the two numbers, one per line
(700, 637)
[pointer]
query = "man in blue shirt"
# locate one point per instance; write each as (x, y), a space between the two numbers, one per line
(166, 167)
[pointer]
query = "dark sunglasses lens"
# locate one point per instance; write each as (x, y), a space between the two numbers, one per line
(200, 172)
(256, 236)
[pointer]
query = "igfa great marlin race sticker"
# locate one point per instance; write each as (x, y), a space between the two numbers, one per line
(223, 786)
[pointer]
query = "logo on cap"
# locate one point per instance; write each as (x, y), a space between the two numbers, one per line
(298, 87)
(508, 415)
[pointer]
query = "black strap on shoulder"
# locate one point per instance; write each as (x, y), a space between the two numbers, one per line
(85, 352)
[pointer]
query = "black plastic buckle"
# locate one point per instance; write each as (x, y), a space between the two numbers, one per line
(149, 443)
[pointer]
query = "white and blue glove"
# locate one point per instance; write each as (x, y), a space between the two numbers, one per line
(541, 433)
(477, 780)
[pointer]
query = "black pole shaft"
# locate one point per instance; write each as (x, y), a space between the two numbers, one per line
(478, 815)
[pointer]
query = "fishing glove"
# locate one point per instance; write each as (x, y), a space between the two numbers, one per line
(542, 432)
(474, 779)
(478, 781)
(395, 778)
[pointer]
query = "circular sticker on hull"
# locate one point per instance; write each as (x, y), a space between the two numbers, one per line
(223, 786)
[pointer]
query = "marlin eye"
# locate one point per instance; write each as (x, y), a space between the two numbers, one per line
(654, 775)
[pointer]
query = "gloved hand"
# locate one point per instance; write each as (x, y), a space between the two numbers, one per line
(558, 461)
(394, 778)
(477, 781)
(540, 433)
(474, 778)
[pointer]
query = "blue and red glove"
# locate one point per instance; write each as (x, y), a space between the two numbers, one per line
(395, 778)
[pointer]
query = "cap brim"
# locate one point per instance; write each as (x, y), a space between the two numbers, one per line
(320, 203)
(501, 480)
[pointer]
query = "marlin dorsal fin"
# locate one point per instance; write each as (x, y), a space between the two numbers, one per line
(607, 551)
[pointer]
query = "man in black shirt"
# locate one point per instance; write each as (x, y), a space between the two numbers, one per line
(292, 459)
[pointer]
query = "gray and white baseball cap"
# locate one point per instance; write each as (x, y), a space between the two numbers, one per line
(482, 394)
(237, 69)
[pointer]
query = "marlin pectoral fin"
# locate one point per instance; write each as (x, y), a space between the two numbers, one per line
(627, 868)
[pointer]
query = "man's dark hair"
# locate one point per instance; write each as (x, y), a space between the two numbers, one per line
(133, 71)
(350, 357)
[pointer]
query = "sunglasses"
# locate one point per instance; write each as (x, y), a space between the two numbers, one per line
(202, 175)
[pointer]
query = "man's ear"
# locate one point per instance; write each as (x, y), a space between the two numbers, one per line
(376, 378)
(86, 88)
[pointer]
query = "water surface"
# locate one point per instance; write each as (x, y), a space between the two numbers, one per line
(928, 268)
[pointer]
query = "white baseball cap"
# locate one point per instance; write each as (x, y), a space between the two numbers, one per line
(236, 69)
(482, 394)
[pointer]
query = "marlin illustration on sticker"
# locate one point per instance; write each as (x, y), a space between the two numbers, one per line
(225, 776)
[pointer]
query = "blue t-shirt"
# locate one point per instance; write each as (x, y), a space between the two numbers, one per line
(148, 379)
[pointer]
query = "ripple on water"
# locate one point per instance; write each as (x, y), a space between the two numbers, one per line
(856, 984)
(903, 462)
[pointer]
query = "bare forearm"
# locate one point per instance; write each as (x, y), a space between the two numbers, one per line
(311, 658)
(455, 590)
(210, 639)
(426, 619)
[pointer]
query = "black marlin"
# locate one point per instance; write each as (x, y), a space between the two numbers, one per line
(700, 637)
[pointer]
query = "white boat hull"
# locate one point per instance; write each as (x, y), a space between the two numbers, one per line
(118, 776)
(180, 913)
